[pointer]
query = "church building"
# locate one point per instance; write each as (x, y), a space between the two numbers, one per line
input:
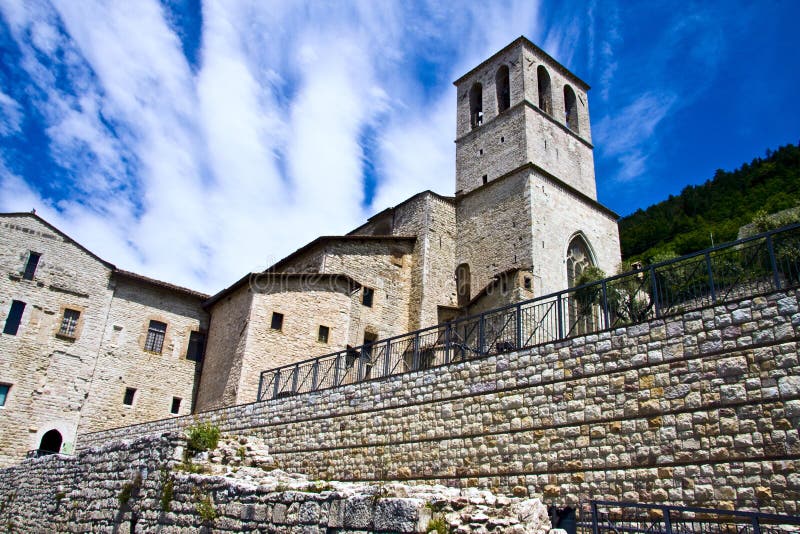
(86, 346)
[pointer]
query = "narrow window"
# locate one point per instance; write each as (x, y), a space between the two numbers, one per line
(503, 90)
(4, 389)
(176, 405)
(127, 400)
(155, 336)
(14, 317)
(277, 321)
(476, 105)
(527, 282)
(69, 322)
(30, 267)
(485, 178)
(324, 331)
(197, 344)
(367, 296)
(570, 109)
(463, 284)
(545, 96)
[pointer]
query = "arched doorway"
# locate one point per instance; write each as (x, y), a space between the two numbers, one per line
(51, 442)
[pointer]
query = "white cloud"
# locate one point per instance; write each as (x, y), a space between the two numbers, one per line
(629, 134)
(10, 115)
(197, 174)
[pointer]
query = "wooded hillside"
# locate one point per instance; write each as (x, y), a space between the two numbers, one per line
(684, 223)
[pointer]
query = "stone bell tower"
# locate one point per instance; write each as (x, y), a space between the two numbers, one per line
(525, 183)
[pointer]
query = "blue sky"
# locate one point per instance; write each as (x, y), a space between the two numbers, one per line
(194, 141)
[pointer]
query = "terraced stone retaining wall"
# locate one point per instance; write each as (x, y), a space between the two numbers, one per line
(701, 408)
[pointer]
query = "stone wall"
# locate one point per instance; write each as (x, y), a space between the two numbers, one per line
(227, 340)
(143, 486)
(494, 229)
(701, 408)
(554, 227)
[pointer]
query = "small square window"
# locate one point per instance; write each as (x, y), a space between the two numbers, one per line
(69, 322)
(277, 321)
(14, 317)
(4, 389)
(155, 337)
(127, 400)
(367, 296)
(197, 343)
(30, 267)
(176, 405)
(324, 331)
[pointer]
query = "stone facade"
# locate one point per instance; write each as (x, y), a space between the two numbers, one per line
(701, 408)
(70, 377)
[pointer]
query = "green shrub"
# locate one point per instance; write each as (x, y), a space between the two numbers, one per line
(438, 525)
(128, 488)
(167, 492)
(205, 508)
(202, 437)
(125, 493)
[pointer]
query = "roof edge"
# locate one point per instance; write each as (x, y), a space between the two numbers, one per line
(522, 40)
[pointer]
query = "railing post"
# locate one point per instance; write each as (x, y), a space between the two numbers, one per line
(595, 519)
(711, 278)
(756, 525)
(336, 369)
(560, 317)
(277, 386)
(606, 324)
(295, 377)
(415, 359)
(387, 358)
(360, 372)
(482, 334)
(654, 291)
(773, 263)
(667, 520)
(315, 376)
(447, 341)
(260, 385)
(518, 341)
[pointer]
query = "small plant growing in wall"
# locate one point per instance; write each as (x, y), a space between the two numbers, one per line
(438, 525)
(202, 437)
(167, 491)
(129, 488)
(205, 507)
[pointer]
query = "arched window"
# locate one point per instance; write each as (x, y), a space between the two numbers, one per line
(545, 96)
(476, 105)
(578, 259)
(583, 310)
(463, 284)
(51, 442)
(570, 109)
(503, 89)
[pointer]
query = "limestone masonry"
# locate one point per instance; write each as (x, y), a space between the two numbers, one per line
(87, 346)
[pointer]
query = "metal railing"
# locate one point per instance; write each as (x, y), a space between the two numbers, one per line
(759, 264)
(632, 518)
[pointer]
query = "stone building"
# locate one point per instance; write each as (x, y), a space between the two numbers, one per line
(87, 346)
